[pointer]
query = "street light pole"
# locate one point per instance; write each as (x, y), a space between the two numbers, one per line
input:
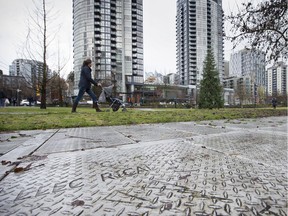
(18, 98)
(255, 94)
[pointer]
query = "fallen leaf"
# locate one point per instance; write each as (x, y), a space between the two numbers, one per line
(168, 206)
(18, 169)
(184, 177)
(78, 203)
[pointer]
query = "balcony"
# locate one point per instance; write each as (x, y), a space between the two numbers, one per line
(113, 11)
(113, 3)
(97, 25)
(97, 12)
(97, 31)
(98, 38)
(113, 15)
(97, 4)
(113, 30)
(97, 19)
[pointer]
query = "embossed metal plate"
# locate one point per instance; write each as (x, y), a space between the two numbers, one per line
(236, 172)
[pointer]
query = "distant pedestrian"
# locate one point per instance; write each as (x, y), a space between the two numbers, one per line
(2, 98)
(85, 86)
(7, 102)
(274, 103)
(31, 100)
(14, 101)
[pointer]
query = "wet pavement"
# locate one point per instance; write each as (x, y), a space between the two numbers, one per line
(236, 167)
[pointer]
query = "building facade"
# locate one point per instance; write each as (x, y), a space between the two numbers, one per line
(243, 90)
(276, 77)
(235, 64)
(31, 70)
(110, 32)
(248, 62)
(199, 28)
(226, 69)
(15, 88)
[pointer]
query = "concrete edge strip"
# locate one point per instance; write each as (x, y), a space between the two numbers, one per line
(27, 148)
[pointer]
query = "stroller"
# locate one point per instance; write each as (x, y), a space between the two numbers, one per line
(114, 103)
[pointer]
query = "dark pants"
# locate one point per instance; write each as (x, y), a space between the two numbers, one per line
(89, 92)
(2, 102)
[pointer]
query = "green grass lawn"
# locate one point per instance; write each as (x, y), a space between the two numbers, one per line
(31, 118)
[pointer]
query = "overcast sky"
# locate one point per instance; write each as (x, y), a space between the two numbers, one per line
(159, 20)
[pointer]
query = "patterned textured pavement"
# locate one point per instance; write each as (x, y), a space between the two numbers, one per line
(234, 167)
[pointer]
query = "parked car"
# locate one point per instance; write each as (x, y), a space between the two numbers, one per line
(85, 102)
(26, 103)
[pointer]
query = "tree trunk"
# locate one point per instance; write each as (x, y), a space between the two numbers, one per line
(44, 78)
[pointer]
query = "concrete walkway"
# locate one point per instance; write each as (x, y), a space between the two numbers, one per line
(237, 167)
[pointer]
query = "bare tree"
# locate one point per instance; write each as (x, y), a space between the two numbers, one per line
(60, 85)
(70, 82)
(241, 93)
(57, 86)
(44, 75)
(264, 26)
(37, 43)
(261, 94)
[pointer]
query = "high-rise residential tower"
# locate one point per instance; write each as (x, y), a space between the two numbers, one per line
(199, 28)
(277, 79)
(31, 70)
(110, 32)
(248, 62)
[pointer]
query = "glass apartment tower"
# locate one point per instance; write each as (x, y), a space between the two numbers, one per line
(248, 62)
(31, 70)
(199, 28)
(277, 80)
(110, 32)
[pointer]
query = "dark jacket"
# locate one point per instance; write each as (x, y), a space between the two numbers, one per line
(274, 102)
(2, 94)
(86, 78)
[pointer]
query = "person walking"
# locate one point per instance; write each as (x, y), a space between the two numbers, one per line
(2, 98)
(85, 86)
(274, 103)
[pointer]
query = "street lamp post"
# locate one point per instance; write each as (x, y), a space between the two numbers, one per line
(18, 96)
(114, 81)
(255, 94)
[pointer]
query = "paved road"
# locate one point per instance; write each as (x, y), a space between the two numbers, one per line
(236, 167)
